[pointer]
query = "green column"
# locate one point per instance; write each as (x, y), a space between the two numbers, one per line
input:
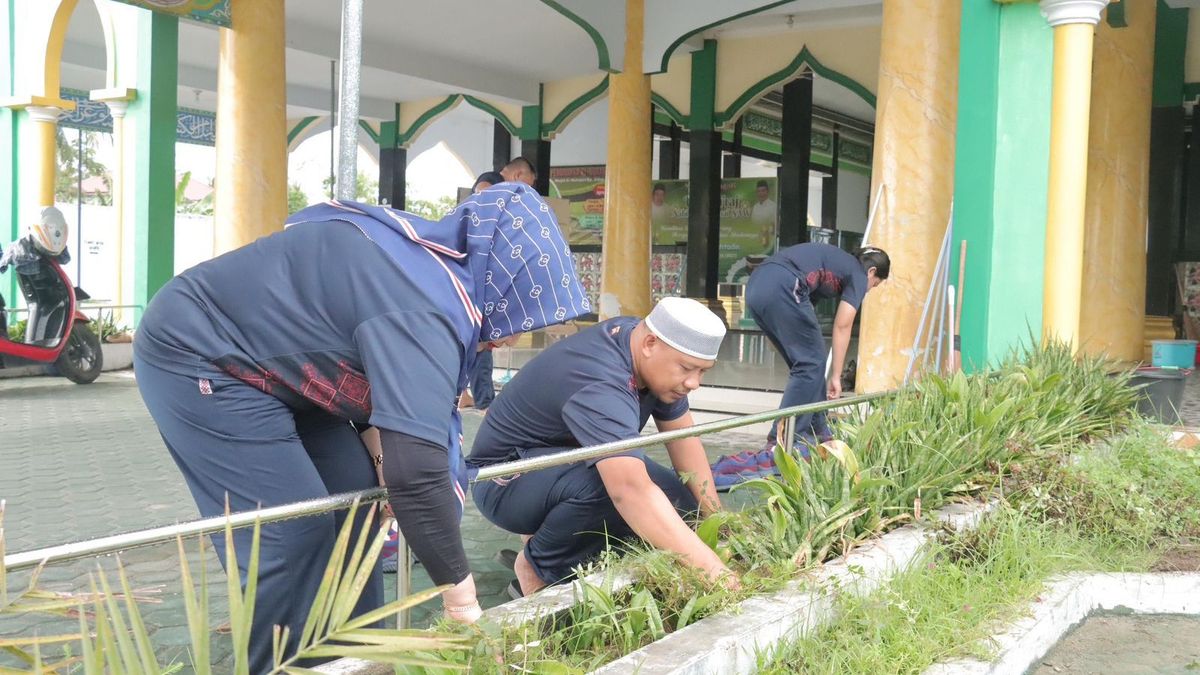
(1170, 52)
(975, 169)
(534, 146)
(9, 138)
(1167, 145)
(151, 124)
(1000, 177)
(704, 180)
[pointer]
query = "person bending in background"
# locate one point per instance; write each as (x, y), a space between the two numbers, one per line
(780, 297)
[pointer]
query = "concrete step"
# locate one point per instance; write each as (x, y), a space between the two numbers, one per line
(736, 401)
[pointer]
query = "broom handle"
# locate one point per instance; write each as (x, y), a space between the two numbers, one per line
(962, 270)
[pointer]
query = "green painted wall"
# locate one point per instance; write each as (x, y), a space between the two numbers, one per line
(704, 86)
(1170, 51)
(1001, 173)
(531, 123)
(9, 138)
(9, 191)
(974, 170)
(1022, 176)
(151, 120)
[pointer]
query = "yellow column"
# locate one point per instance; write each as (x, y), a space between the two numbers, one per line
(45, 155)
(1070, 100)
(251, 181)
(914, 160)
(625, 274)
(1112, 318)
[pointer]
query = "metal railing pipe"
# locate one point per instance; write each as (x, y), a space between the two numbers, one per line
(128, 540)
(155, 535)
(615, 447)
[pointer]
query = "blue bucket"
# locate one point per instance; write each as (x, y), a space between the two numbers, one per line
(1173, 353)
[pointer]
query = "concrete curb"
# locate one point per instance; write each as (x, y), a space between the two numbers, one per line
(544, 603)
(1067, 602)
(729, 642)
(732, 641)
(555, 599)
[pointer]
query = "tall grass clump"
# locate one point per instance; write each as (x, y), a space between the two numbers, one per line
(941, 438)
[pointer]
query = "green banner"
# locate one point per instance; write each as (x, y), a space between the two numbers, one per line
(586, 196)
(749, 220)
(850, 150)
(669, 212)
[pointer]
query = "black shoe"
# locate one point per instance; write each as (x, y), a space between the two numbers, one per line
(506, 557)
(514, 590)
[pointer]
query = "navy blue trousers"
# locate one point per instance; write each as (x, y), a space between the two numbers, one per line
(780, 304)
(233, 441)
(483, 390)
(568, 512)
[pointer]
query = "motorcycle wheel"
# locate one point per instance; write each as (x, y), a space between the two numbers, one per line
(82, 359)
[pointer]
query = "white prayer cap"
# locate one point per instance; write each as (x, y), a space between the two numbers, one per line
(688, 326)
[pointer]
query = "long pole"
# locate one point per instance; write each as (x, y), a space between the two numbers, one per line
(946, 290)
(941, 323)
(936, 307)
(871, 217)
(351, 57)
(79, 210)
(912, 357)
(333, 136)
(962, 275)
(120, 542)
(950, 332)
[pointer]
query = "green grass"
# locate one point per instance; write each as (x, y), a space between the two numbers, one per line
(1114, 508)
(1133, 493)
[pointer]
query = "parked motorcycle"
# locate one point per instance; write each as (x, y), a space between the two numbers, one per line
(56, 332)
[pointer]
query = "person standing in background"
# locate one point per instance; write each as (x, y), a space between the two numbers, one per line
(483, 391)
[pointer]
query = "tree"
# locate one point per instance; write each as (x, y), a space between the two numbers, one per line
(366, 190)
(66, 182)
(296, 198)
(430, 209)
(201, 207)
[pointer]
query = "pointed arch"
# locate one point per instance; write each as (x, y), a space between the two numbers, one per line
(494, 112)
(805, 61)
(405, 137)
(56, 37)
(603, 62)
(671, 111)
(572, 109)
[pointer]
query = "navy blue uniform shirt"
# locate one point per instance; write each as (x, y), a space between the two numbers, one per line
(581, 391)
(317, 316)
(827, 270)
